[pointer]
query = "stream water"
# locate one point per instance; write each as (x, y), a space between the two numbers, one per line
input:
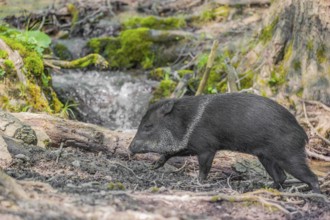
(112, 99)
(14, 7)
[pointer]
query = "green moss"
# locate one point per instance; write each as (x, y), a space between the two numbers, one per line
(320, 54)
(300, 92)
(310, 45)
(74, 14)
(130, 48)
(57, 104)
(222, 86)
(36, 98)
(154, 189)
(268, 31)
(33, 62)
(135, 46)
(288, 52)
(278, 77)
(159, 73)
(9, 64)
(182, 73)
(247, 79)
(34, 65)
(296, 65)
(62, 52)
(164, 90)
(213, 14)
(155, 23)
(3, 54)
(214, 198)
(116, 186)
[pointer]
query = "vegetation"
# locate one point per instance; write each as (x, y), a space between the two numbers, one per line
(153, 22)
(36, 94)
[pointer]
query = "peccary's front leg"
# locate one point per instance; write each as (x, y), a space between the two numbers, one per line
(161, 161)
(205, 160)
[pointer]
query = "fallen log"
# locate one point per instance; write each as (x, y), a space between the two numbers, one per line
(77, 134)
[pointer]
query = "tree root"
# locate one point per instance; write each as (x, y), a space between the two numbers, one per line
(269, 202)
(250, 198)
(91, 59)
(324, 106)
(282, 194)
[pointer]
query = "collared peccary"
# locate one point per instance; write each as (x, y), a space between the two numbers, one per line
(202, 125)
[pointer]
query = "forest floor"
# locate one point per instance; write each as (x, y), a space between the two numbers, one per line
(85, 185)
(72, 183)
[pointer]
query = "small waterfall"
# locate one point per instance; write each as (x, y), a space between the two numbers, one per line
(112, 99)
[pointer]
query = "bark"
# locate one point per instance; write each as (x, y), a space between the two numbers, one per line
(77, 134)
(298, 50)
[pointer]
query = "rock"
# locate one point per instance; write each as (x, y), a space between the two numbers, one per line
(26, 134)
(76, 163)
(5, 157)
(22, 157)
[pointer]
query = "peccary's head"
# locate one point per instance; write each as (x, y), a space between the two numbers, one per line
(160, 130)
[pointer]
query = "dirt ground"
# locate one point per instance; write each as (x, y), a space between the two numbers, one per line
(85, 185)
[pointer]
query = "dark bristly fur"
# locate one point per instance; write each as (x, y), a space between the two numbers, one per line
(246, 123)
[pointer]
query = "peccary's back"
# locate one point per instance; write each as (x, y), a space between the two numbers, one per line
(247, 123)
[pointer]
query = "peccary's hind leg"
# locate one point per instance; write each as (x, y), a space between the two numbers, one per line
(274, 170)
(205, 160)
(296, 165)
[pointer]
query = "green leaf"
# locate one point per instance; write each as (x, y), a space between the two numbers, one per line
(39, 38)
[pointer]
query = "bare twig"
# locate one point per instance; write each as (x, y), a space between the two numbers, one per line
(324, 106)
(301, 195)
(181, 168)
(129, 169)
(317, 156)
(232, 77)
(312, 127)
(59, 152)
(251, 198)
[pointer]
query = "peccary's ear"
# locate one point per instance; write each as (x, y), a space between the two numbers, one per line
(167, 107)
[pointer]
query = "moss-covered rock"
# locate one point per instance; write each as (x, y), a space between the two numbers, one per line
(62, 52)
(155, 23)
(159, 73)
(34, 94)
(131, 48)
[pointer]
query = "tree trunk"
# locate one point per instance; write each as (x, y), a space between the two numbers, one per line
(291, 57)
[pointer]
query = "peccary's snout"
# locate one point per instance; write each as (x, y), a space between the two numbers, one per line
(135, 147)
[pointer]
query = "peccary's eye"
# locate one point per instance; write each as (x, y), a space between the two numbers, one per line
(148, 127)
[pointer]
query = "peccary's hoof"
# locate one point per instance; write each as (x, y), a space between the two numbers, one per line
(156, 165)
(276, 186)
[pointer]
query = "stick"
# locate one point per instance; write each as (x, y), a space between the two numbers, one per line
(317, 156)
(301, 195)
(324, 106)
(232, 77)
(129, 169)
(250, 198)
(208, 68)
(311, 126)
(59, 153)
